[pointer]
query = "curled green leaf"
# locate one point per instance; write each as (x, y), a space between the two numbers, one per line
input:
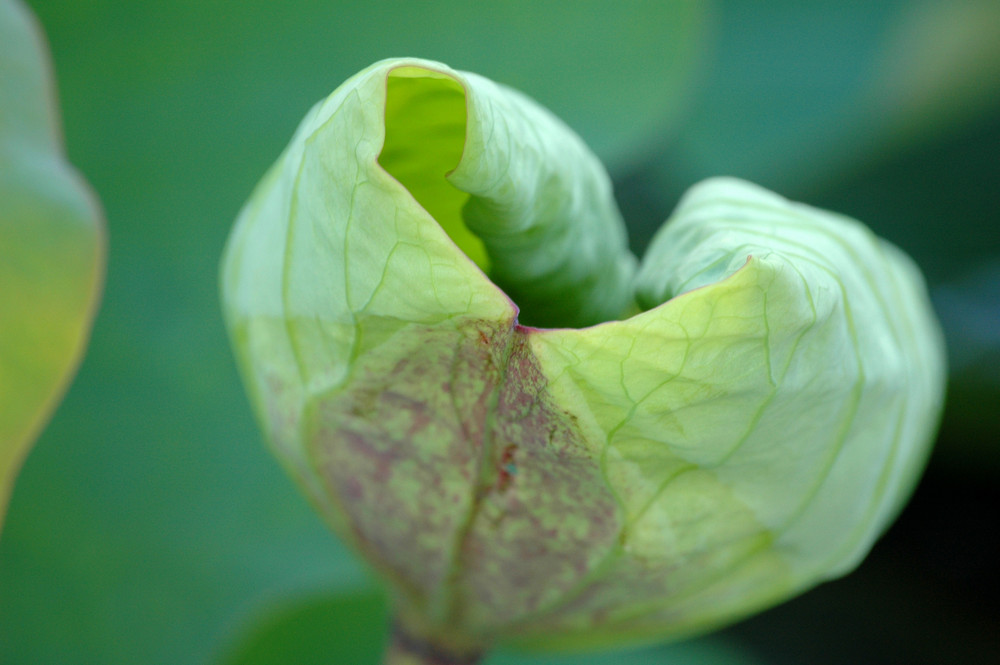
(533, 438)
(51, 246)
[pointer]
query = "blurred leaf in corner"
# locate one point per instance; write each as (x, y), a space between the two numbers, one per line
(51, 246)
(353, 629)
(939, 68)
(795, 95)
(316, 630)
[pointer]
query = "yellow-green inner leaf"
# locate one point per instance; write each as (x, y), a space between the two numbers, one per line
(424, 139)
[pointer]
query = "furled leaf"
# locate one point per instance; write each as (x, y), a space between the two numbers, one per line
(747, 434)
(51, 246)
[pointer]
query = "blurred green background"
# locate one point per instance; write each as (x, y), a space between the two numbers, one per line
(150, 525)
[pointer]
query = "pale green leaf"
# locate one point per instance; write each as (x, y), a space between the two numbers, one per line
(655, 474)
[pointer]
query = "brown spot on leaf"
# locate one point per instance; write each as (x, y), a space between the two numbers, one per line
(506, 468)
(558, 517)
(395, 450)
(424, 417)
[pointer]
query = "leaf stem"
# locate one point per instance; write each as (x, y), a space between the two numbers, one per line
(407, 649)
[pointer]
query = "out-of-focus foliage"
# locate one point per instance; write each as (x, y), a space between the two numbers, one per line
(149, 524)
(940, 67)
(790, 85)
(306, 631)
(51, 246)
